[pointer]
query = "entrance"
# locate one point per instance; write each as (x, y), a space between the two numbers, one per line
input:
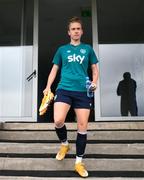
(53, 17)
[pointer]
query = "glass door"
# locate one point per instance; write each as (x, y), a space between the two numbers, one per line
(121, 52)
(17, 61)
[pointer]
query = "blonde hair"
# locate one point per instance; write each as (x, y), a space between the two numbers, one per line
(74, 19)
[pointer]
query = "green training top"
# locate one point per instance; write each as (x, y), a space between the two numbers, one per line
(74, 62)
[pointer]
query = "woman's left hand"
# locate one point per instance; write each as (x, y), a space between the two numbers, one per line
(93, 86)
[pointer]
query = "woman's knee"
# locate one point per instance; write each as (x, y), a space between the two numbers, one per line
(82, 126)
(59, 122)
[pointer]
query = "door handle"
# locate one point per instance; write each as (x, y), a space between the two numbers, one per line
(33, 74)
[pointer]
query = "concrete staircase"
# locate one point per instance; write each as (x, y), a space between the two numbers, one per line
(115, 150)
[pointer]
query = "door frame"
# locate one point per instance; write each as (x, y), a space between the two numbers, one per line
(35, 60)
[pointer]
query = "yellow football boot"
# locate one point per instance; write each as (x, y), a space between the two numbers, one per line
(43, 111)
(47, 99)
(62, 152)
(81, 170)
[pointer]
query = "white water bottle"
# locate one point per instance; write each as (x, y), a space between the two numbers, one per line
(88, 84)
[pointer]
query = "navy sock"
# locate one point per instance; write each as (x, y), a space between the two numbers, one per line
(80, 144)
(61, 133)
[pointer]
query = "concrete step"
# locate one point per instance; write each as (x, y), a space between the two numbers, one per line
(98, 125)
(50, 149)
(67, 178)
(115, 150)
(48, 136)
(51, 164)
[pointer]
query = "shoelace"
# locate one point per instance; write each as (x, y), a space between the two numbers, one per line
(81, 167)
(63, 150)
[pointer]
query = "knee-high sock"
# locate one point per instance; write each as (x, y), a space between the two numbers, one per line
(81, 144)
(61, 133)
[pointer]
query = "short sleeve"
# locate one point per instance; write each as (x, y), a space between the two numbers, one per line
(57, 57)
(93, 57)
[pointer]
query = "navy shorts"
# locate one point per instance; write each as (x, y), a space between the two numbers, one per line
(75, 99)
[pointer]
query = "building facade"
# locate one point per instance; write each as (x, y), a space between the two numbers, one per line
(31, 31)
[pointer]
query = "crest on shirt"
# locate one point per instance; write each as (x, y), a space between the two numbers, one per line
(68, 51)
(83, 51)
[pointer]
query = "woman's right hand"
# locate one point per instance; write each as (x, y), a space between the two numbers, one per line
(46, 91)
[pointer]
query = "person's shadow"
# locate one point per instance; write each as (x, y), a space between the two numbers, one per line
(127, 90)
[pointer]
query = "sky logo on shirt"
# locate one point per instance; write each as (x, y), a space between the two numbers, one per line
(76, 58)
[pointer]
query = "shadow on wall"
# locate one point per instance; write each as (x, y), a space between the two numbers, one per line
(127, 90)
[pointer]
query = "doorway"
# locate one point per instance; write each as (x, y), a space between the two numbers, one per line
(53, 17)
